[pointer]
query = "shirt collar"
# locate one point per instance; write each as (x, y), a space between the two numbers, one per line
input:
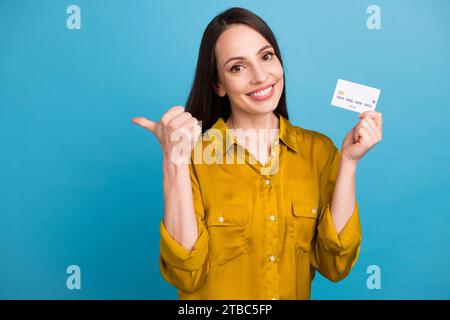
(287, 133)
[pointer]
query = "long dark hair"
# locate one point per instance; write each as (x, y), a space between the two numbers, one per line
(203, 102)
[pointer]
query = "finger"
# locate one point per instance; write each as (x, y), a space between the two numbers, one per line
(183, 135)
(369, 123)
(179, 120)
(197, 130)
(145, 123)
(356, 133)
(170, 114)
(366, 113)
(364, 136)
(379, 121)
(376, 116)
(189, 126)
(195, 134)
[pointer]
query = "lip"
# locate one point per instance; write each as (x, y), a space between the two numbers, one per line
(262, 88)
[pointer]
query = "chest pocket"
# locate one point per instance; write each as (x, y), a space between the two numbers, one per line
(305, 213)
(227, 227)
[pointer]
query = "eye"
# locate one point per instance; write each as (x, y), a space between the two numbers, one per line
(236, 68)
(268, 56)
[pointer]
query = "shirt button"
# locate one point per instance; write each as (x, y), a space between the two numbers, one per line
(272, 258)
(272, 217)
(267, 181)
(221, 219)
(314, 210)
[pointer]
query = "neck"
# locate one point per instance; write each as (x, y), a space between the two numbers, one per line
(259, 121)
(269, 123)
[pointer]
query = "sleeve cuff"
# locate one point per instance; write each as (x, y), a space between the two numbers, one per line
(348, 240)
(176, 255)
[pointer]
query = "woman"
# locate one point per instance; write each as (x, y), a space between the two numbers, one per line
(259, 226)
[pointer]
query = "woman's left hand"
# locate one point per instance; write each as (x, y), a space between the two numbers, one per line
(364, 135)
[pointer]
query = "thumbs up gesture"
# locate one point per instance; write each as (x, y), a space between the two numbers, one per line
(174, 125)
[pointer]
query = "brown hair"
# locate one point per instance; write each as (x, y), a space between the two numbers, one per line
(203, 102)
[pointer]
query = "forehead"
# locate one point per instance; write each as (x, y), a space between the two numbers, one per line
(238, 40)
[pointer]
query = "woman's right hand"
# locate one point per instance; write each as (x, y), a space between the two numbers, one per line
(174, 125)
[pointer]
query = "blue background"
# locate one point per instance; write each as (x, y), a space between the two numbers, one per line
(81, 184)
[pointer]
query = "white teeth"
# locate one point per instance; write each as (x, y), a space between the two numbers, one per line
(261, 93)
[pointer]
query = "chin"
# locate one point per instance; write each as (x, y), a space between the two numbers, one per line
(266, 107)
(263, 110)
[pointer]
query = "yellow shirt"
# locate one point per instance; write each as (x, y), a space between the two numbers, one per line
(263, 231)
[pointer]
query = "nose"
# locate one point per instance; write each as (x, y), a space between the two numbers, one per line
(259, 74)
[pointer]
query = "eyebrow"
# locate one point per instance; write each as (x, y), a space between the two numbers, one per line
(243, 58)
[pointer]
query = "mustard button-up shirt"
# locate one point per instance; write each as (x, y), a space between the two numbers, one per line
(263, 230)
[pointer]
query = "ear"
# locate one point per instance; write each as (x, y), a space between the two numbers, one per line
(219, 90)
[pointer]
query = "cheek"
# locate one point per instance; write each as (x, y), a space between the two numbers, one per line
(278, 70)
(237, 85)
(281, 81)
(278, 75)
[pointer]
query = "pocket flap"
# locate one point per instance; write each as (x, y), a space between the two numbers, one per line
(306, 207)
(227, 215)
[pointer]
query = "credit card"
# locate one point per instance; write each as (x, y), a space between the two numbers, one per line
(354, 96)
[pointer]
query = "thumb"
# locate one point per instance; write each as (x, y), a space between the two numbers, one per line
(145, 123)
(350, 137)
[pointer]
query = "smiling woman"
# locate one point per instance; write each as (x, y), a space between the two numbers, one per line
(241, 229)
(255, 76)
(239, 57)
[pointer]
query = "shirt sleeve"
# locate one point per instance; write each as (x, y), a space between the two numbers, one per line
(334, 254)
(184, 269)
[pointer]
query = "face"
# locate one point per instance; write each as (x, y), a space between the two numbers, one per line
(250, 73)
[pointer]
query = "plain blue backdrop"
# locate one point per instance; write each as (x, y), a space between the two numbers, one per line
(80, 184)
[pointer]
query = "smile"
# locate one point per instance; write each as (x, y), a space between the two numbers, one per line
(263, 93)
